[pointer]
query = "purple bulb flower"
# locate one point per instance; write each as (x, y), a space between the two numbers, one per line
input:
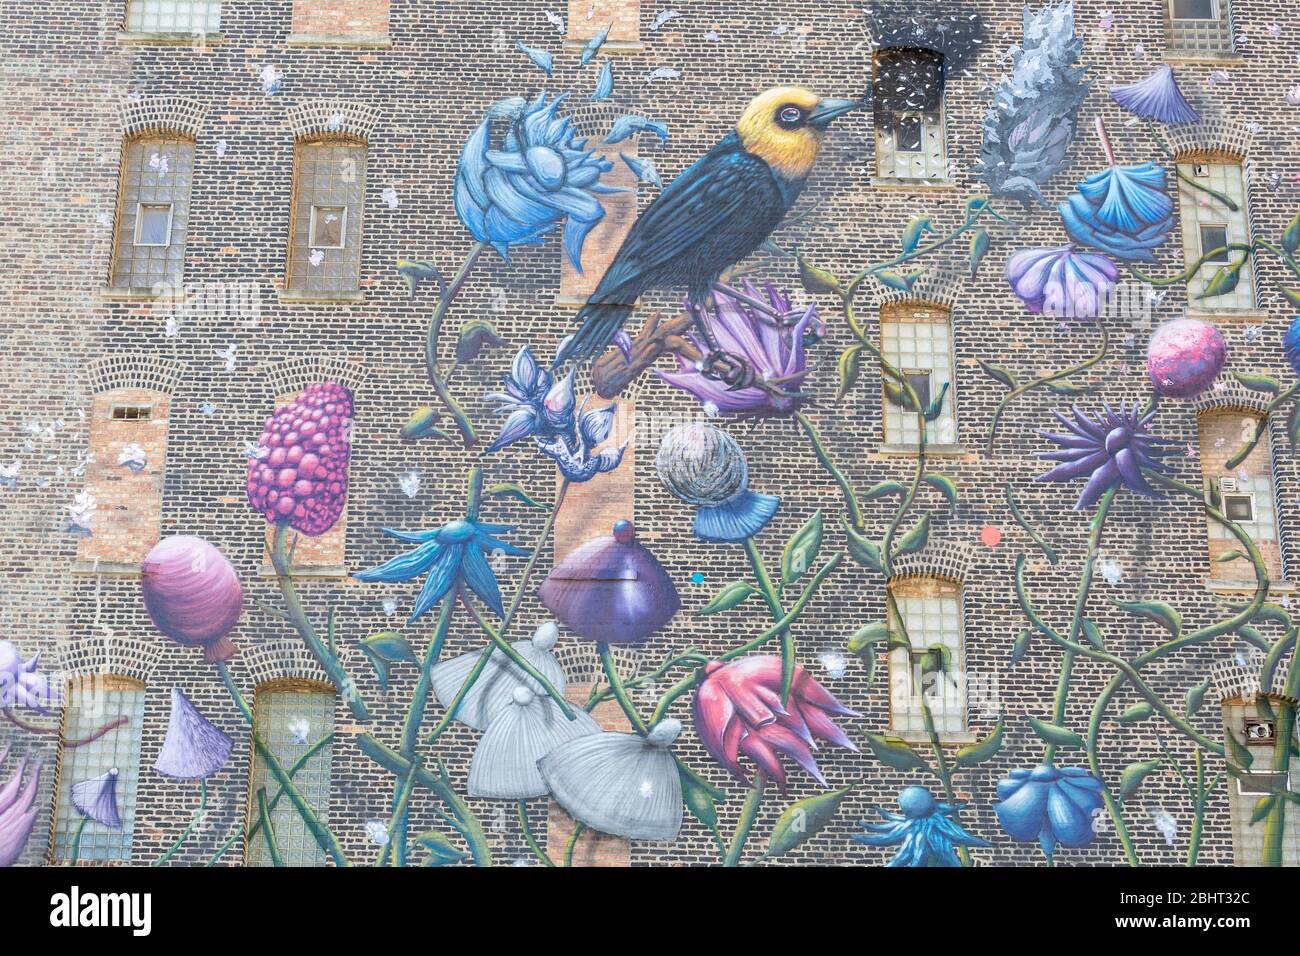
(775, 353)
(1061, 282)
(1049, 805)
(925, 832)
(1184, 357)
(21, 685)
(1109, 450)
(1156, 98)
(97, 798)
(303, 480)
(17, 809)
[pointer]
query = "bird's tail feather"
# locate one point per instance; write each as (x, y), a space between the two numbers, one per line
(599, 321)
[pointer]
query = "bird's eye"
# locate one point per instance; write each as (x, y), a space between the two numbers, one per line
(791, 114)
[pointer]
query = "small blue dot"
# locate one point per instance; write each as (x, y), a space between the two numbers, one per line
(697, 577)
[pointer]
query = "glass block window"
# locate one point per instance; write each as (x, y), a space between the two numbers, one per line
(325, 231)
(907, 104)
(173, 16)
(92, 704)
(1200, 27)
(1248, 492)
(931, 612)
(917, 340)
(1210, 225)
(290, 718)
(153, 212)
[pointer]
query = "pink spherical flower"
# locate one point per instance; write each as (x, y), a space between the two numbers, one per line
(1184, 357)
(302, 480)
(738, 710)
(193, 594)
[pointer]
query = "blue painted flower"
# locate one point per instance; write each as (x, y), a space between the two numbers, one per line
(1156, 98)
(519, 190)
(1122, 210)
(1291, 344)
(925, 829)
(574, 451)
(1109, 450)
(451, 555)
(544, 410)
(537, 404)
(1049, 805)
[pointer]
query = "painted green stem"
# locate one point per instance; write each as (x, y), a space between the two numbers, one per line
(1261, 427)
(573, 842)
(282, 562)
(76, 840)
(773, 600)
(185, 834)
(618, 690)
(824, 456)
(431, 365)
(748, 813)
(268, 829)
(524, 827)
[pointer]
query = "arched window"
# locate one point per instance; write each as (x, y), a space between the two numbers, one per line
(292, 716)
(153, 213)
(916, 338)
(1247, 492)
(935, 663)
(102, 722)
(907, 104)
(329, 188)
(1213, 223)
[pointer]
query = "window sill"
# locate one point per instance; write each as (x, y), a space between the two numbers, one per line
(1193, 57)
(1248, 587)
(369, 41)
(920, 737)
(891, 182)
(910, 451)
(610, 46)
(1236, 315)
(291, 296)
(118, 568)
(307, 571)
(565, 301)
(199, 40)
(122, 294)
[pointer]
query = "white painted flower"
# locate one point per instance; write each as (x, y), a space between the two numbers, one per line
(132, 456)
(834, 663)
(317, 257)
(227, 355)
(377, 832)
(389, 196)
(1293, 95)
(409, 483)
(389, 604)
(158, 162)
(9, 473)
(1165, 823)
(81, 514)
(272, 80)
(221, 148)
(1111, 570)
(255, 450)
(300, 729)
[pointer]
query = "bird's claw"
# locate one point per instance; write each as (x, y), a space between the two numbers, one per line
(729, 369)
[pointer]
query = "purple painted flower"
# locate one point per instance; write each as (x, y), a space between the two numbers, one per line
(1156, 98)
(193, 749)
(192, 594)
(1184, 357)
(1291, 344)
(97, 798)
(21, 685)
(1061, 282)
(536, 403)
(303, 480)
(1109, 450)
(17, 809)
(1049, 805)
(775, 354)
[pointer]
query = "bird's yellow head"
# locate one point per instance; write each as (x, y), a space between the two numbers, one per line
(783, 126)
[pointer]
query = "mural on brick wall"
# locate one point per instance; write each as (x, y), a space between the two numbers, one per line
(741, 349)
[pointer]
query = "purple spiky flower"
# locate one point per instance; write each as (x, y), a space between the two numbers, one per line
(1109, 450)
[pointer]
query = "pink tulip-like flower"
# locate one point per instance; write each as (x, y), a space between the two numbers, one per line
(303, 479)
(193, 594)
(738, 710)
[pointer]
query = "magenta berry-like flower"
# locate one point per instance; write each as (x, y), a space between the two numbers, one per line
(1184, 357)
(303, 479)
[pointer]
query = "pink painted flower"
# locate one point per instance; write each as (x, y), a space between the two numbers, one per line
(738, 711)
(192, 594)
(303, 479)
(1184, 357)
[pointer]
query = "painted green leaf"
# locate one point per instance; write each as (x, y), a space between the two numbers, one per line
(1061, 387)
(423, 424)
(389, 646)
(945, 484)
(1055, 733)
(898, 395)
(1195, 698)
(1291, 237)
(1293, 428)
(1258, 382)
(381, 667)
(1239, 754)
(475, 336)
(1292, 294)
(816, 280)
(733, 594)
(882, 488)
(1263, 806)
(998, 373)
(1134, 774)
(894, 753)
(979, 245)
(902, 283)
(441, 850)
(700, 796)
(801, 549)
(1139, 711)
(1093, 633)
(915, 539)
(862, 549)
(803, 819)
(865, 637)
(935, 408)
(912, 233)
(1223, 281)
(512, 489)
(1227, 556)
(1021, 645)
(981, 750)
(850, 367)
(1158, 611)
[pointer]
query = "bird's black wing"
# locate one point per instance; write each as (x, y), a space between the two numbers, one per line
(726, 202)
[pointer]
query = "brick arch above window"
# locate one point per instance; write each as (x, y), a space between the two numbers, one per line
(1228, 394)
(134, 370)
(348, 119)
(284, 661)
(124, 655)
(1214, 136)
(940, 285)
(945, 560)
(162, 116)
(293, 375)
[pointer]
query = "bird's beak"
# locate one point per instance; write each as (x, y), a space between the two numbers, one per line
(827, 109)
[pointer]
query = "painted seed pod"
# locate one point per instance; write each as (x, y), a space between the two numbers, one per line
(192, 594)
(706, 467)
(611, 589)
(618, 783)
(501, 677)
(526, 730)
